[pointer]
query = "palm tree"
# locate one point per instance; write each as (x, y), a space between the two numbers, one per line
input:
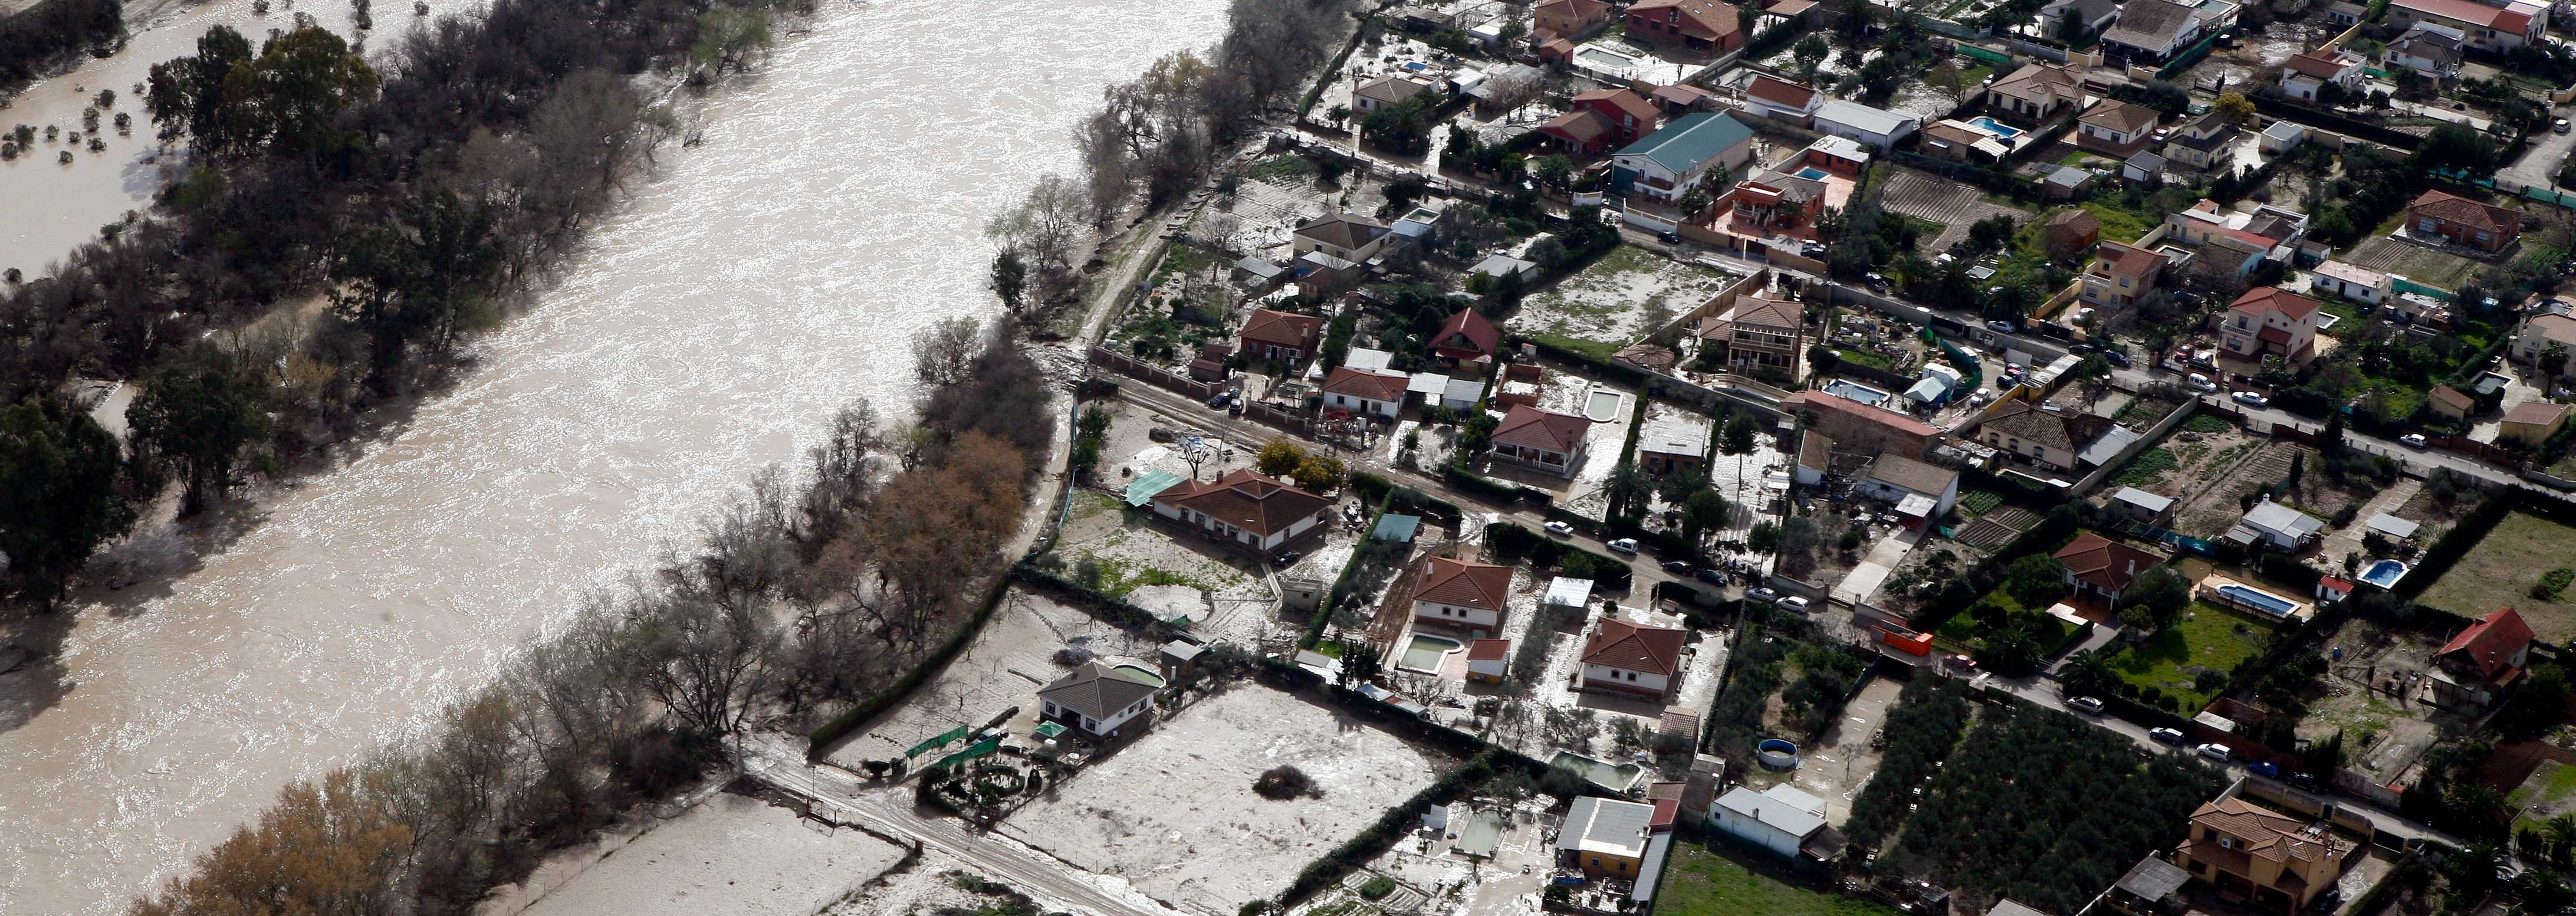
(2086, 673)
(2561, 833)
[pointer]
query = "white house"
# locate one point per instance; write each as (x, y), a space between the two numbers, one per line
(1781, 100)
(1385, 91)
(1096, 699)
(2359, 284)
(2281, 137)
(1461, 593)
(1244, 508)
(1347, 236)
(1374, 392)
(2307, 73)
(1919, 491)
(1622, 657)
(1488, 660)
(2277, 526)
(1542, 440)
(1856, 121)
(1779, 819)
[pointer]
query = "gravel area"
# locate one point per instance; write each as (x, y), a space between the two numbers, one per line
(730, 854)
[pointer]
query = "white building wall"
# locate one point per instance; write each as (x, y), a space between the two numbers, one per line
(1635, 680)
(1737, 824)
(1450, 613)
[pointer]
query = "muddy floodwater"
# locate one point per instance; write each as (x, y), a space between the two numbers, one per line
(752, 285)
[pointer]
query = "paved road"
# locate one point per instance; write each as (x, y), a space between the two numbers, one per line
(779, 761)
(2538, 166)
(2422, 459)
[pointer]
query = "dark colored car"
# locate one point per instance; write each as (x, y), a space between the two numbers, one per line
(2117, 358)
(1711, 576)
(1677, 567)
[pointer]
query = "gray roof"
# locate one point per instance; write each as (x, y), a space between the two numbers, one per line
(1690, 140)
(1600, 823)
(2153, 878)
(2143, 499)
(1899, 471)
(2009, 908)
(2149, 24)
(2146, 161)
(2392, 526)
(1092, 691)
(1256, 266)
(1182, 651)
(1497, 264)
(1781, 807)
(1675, 437)
(2108, 447)
(2280, 519)
(1369, 358)
(1864, 118)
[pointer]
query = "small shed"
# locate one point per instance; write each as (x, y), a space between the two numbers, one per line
(1565, 592)
(1181, 659)
(2392, 526)
(1397, 528)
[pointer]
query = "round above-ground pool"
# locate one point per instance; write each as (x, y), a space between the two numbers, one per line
(1776, 754)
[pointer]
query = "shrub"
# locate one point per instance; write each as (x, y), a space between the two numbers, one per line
(1378, 887)
(1281, 783)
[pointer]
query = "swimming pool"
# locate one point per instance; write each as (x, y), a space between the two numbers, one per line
(2384, 573)
(1992, 126)
(1812, 173)
(1853, 391)
(1602, 407)
(2258, 599)
(1425, 652)
(1614, 777)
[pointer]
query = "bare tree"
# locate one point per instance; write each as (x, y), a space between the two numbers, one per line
(944, 353)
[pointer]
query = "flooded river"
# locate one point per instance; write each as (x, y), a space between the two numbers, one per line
(754, 284)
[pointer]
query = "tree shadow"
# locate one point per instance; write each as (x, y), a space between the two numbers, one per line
(38, 680)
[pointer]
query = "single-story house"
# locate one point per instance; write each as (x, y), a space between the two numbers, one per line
(2532, 423)
(1698, 27)
(2306, 74)
(1542, 440)
(2036, 92)
(1245, 508)
(2146, 166)
(2276, 526)
(2115, 128)
(1461, 593)
(2482, 660)
(2450, 402)
(2143, 506)
(1347, 236)
(2483, 226)
(1365, 391)
(1096, 699)
(2359, 284)
(1781, 100)
(2281, 137)
(1623, 657)
(2072, 230)
(1467, 335)
(1385, 91)
(1669, 445)
(2047, 437)
(1921, 492)
(1605, 836)
(1576, 19)
(1855, 121)
(2153, 887)
(2153, 31)
(1779, 819)
(2431, 50)
(1277, 335)
(2103, 567)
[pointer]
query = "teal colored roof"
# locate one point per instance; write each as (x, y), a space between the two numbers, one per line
(1149, 485)
(1690, 140)
(1398, 528)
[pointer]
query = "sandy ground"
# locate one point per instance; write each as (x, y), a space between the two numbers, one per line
(730, 854)
(1009, 660)
(929, 884)
(1174, 813)
(1837, 766)
(1170, 573)
(1508, 884)
(1615, 299)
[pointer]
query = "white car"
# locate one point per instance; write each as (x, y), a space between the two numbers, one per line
(2087, 704)
(2250, 399)
(1794, 603)
(1560, 529)
(2412, 440)
(2217, 752)
(1622, 545)
(2201, 382)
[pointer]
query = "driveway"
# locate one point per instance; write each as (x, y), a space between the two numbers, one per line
(2538, 166)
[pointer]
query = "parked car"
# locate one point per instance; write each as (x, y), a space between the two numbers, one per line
(1794, 603)
(2166, 735)
(2117, 358)
(2201, 382)
(1677, 567)
(2264, 768)
(2217, 752)
(2087, 704)
(1763, 595)
(2002, 327)
(2250, 399)
(1560, 529)
(2558, 126)
(1221, 399)
(1287, 557)
(1711, 576)
(1622, 545)
(2412, 440)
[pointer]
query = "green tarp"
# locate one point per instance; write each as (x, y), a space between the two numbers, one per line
(1150, 484)
(971, 752)
(937, 741)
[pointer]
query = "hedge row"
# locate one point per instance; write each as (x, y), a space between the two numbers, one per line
(1513, 541)
(866, 709)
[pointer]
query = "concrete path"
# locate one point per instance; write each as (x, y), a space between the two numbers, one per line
(2348, 538)
(1874, 569)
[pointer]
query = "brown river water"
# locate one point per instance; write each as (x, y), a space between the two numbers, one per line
(751, 285)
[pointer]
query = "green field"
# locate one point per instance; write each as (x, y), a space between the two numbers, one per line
(1698, 882)
(2208, 640)
(2500, 570)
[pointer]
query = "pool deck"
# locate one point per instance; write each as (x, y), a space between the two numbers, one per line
(2210, 588)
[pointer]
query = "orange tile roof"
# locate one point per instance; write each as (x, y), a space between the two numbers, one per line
(2466, 212)
(2273, 298)
(1546, 430)
(1780, 92)
(1287, 329)
(2104, 562)
(1626, 646)
(1621, 100)
(1459, 583)
(1248, 501)
(1364, 383)
(2491, 642)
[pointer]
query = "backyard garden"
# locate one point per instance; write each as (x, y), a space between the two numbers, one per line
(1700, 880)
(2184, 666)
(2512, 567)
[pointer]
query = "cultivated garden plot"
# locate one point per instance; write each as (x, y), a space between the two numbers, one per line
(730, 854)
(2500, 571)
(1615, 300)
(1175, 815)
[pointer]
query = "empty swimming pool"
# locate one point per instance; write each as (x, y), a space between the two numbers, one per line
(1614, 777)
(1602, 407)
(1424, 653)
(2258, 599)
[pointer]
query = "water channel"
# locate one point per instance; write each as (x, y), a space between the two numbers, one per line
(752, 285)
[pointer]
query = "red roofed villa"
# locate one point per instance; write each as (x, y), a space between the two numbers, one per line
(1461, 593)
(1245, 508)
(2480, 662)
(1622, 657)
(2103, 567)
(1466, 336)
(2485, 227)
(1273, 334)
(2270, 321)
(1542, 440)
(1488, 660)
(1700, 26)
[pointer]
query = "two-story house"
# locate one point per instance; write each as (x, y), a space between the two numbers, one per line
(1781, 100)
(2478, 664)
(1467, 336)
(2276, 862)
(2486, 28)
(2116, 128)
(2483, 226)
(2431, 50)
(2236, 242)
(1761, 335)
(2036, 92)
(1542, 440)
(2153, 31)
(2200, 142)
(1244, 508)
(1573, 20)
(2121, 274)
(2270, 321)
(2542, 332)
(1626, 658)
(1348, 236)
(1602, 119)
(1461, 594)
(1605, 837)
(1386, 91)
(2306, 74)
(1695, 27)
(1278, 335)
(1670, 162)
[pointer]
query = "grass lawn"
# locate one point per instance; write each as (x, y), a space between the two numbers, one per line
(2500, 570)
(1980, 502)
(1698, 882)
(2120, 224)
(1286, 170)
(2209, 640)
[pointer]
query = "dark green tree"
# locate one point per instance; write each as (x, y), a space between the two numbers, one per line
(415, 279)
(2036, 581)
(1010, 278)
(1738, 436)
(58, 498)
(1701, 512)
(185, 96)
(197, 422)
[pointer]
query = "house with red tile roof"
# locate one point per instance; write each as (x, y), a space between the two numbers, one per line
(2307, 73)
(2036, 92)
(2120, 275)
(1273, 334)
(1489, 660)
(1461, 593)
(1781, 100)
(1626, 658)
(2103, 567)
(1601, 120)
(2484, 659)
(2487, 28)
(1703, 27)
(1542, 440)
(1245, 508)
(1366, 391)
(2270, 321)
(1570, 19)
(1466, 337)
(2483, 226)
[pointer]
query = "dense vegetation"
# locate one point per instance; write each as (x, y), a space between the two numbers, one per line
(1919, 732)
(49, 30)
(2047, 809)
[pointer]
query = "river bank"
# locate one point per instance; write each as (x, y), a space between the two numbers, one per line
(711, 326)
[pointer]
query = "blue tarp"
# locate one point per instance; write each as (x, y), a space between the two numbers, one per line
(1397, 528)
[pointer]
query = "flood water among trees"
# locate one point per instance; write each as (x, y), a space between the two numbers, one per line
(754, 284)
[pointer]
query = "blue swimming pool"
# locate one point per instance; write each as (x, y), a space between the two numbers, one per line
(1852, 391)
(2384, 573)
(1992, 126)
(1812, 173)
(2258, 599)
